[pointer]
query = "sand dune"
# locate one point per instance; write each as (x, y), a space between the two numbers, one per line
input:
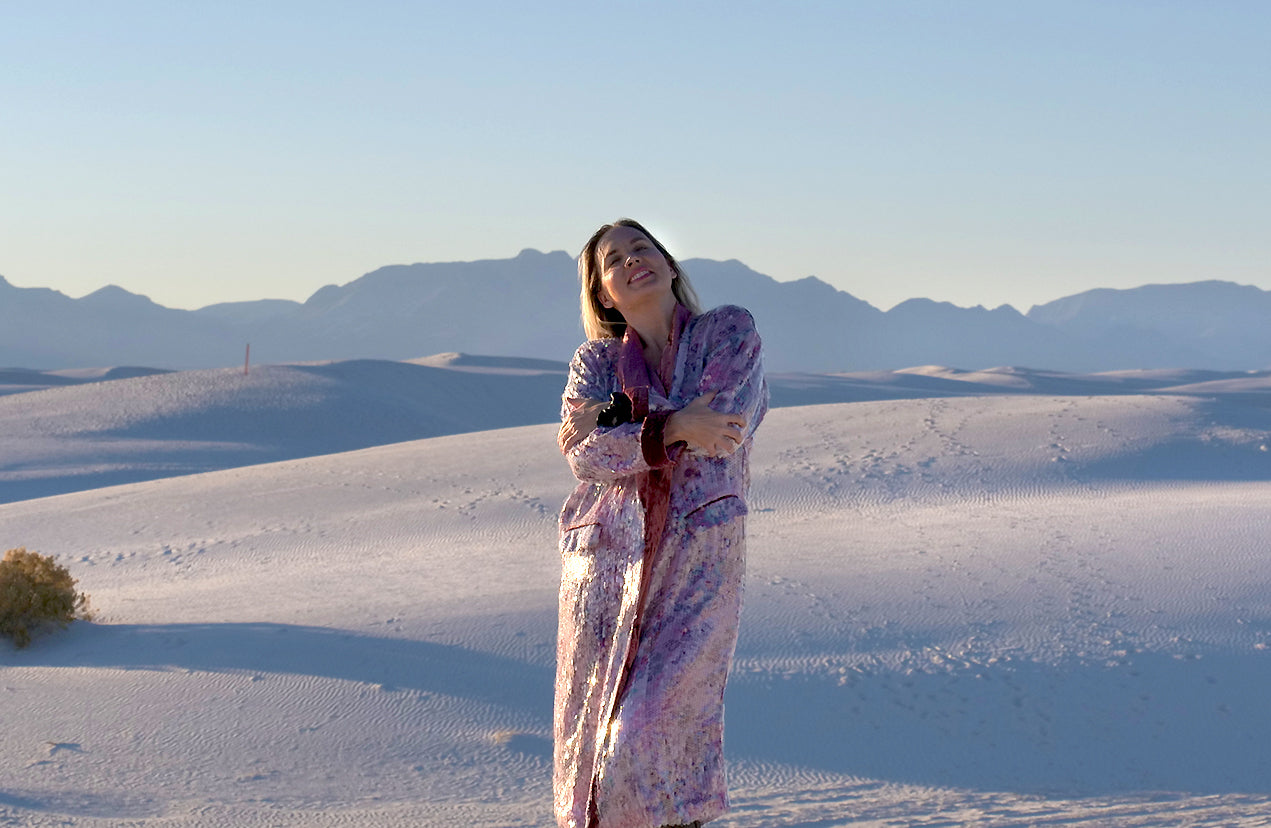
(1006, 610)
(90, 435)
(19, 380)
(492, 364)
(145, 425)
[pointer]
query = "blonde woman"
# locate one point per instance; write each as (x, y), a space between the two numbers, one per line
(657, 419)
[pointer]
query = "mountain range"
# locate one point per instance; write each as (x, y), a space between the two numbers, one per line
(526, 306)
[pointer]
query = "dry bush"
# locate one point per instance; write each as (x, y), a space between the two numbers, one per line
(34, 590)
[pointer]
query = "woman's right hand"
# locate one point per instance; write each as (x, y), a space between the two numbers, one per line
(580, 422)
(705, 430)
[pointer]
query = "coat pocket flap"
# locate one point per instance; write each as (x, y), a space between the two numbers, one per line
(580, 538)
(716, 512)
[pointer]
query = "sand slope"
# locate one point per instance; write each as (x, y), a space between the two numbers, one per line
(1013, 610)
(146, 425)
(86, 436)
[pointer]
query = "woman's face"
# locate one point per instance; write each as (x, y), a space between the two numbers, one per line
(632, 270)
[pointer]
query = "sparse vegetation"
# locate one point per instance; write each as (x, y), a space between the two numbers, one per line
(34, 590)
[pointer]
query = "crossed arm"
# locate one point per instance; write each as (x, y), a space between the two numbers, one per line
(697, 425)
(733, 399)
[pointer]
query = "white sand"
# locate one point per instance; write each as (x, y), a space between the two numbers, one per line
(1009, 610)
(72, 438)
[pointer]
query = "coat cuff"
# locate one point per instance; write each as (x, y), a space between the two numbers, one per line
(652, 434)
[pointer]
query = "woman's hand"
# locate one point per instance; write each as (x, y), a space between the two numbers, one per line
(580, 422)
(705, 430)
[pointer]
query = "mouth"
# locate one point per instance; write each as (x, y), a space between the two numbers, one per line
(640, 276)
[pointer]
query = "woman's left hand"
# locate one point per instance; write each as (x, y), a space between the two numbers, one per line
(705, 430)
(580, 422)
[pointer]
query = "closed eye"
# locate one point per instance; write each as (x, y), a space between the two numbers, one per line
(614, 256)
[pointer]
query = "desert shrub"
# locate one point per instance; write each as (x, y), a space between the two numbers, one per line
(35, 590)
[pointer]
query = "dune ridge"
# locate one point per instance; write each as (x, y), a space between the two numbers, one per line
(140, 424)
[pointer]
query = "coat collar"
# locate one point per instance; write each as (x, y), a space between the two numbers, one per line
(634, 371)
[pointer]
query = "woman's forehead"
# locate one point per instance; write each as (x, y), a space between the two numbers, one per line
(618, 236)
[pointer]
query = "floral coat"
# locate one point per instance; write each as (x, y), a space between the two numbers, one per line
(652, 554)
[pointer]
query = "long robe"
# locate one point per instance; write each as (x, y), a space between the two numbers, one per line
(652, 546)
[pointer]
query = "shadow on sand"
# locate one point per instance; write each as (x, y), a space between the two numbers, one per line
(310, 651)
(1153, 723)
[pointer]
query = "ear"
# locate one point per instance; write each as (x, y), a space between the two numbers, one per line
(603, 298)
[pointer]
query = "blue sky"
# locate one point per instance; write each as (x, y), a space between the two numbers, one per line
(972, 152)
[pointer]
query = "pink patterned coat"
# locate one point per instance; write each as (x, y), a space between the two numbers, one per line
(652, 546)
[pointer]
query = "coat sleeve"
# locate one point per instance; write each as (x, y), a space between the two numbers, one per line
(734, 367)
(607, 455)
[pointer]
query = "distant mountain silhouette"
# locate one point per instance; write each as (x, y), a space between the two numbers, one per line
(42, 328)
(527, 307)
(1201, 324)
(260, 310)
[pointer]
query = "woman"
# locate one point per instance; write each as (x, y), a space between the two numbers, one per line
(657, 420)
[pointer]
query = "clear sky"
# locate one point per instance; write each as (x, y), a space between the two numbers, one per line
(972, 152)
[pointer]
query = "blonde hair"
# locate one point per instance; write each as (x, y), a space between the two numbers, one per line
(600, 322)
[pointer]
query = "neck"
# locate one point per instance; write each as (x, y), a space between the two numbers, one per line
(653, 324)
